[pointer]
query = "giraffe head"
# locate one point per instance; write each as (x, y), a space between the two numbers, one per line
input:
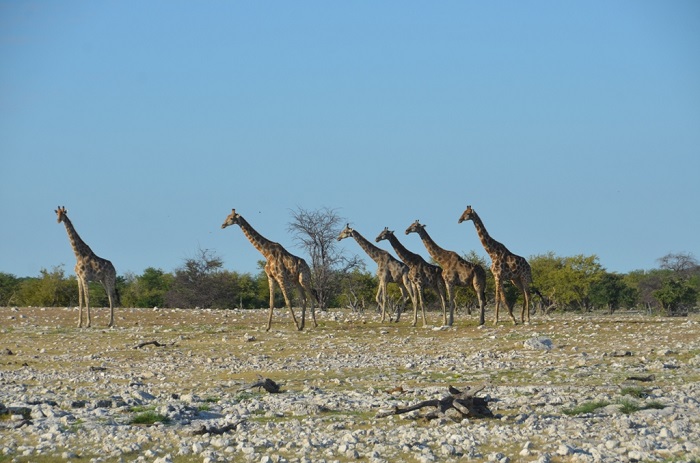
(415, 227)
(384, 235)
(468, 214)
(61, 213)
(232, 219)
(346, 233)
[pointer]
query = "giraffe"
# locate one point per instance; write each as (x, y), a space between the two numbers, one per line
(504, 265)
(89, 267)
(422, 275)
(389, 270)
(282, 268)
(456, 271)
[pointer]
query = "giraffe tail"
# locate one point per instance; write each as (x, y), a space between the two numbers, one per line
(315, 293)
(118, 297)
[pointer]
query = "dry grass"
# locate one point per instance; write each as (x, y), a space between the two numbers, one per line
(217, 345)
(211, 353)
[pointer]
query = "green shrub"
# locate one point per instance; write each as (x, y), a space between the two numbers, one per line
(149, 417)
(588, 407)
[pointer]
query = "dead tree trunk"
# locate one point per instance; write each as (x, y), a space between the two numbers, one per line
(464, 402)
(265, 383)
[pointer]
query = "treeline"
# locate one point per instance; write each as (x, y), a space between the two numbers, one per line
(575, 283)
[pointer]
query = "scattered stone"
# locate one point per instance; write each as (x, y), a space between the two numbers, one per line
(540, 343)
(335, 384)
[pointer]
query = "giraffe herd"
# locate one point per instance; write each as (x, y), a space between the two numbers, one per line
(411, 273)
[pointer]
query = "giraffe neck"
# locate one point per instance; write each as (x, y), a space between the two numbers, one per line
(260, 243)
(81, 249)
(435, 251)
(491, 246)
(403, 253)
(373, 251)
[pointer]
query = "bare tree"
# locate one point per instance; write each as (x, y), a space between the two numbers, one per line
(316, 231)
(681, 263)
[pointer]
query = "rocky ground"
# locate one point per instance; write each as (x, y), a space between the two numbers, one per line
(170, 386)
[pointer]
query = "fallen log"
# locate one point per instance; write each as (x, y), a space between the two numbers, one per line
(149, 343)
(265, 383)
(641, 378)
(465, 402)
(216, 430)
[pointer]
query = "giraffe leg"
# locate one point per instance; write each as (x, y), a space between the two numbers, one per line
(302, 296)
(449, 290)
(411, 288)
(415, 304)
(510, 310)
(271, 284)
(422, 306)
(404, 297)
(481, 296)
(510, 306)
(86, 290)
(111, 295)
(525, 315)
(288, 303)
(306, 291)
(497, 296)
(381, 301)
(80, 302)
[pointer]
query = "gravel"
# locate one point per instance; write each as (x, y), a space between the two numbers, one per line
(76, 393)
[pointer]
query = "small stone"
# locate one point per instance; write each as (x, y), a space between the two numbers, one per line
(143, 395)
(541, 343)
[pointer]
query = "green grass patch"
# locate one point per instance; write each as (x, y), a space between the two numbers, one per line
(244, 395)
(588, 407)
(627, 406)
(634, 391)
(655, 405)
(149, 417)
(142, 408)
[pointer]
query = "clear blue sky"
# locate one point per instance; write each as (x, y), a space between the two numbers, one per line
(571, 127)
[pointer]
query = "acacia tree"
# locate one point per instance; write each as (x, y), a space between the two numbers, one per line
(9, 285)
(683, 264)
(316, 231)
(610, 291)
(148, 289)
(201, 282)
(566, 281)
(52, 289)
(679, 288)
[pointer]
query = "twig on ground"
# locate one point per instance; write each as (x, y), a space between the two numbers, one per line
(464, 402)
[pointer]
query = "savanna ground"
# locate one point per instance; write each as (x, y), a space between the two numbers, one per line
(210, 354)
